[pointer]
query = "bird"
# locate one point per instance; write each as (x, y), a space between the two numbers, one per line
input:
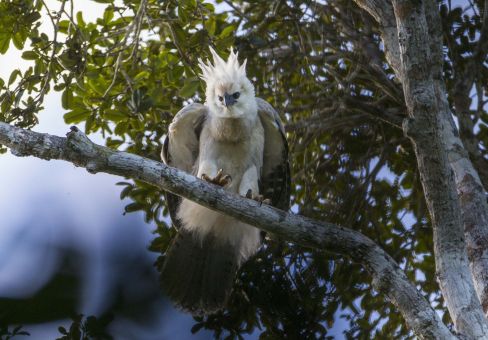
(236, 141)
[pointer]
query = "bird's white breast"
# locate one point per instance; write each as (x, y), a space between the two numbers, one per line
(233, 147)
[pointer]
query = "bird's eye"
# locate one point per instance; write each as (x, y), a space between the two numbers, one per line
(221, 98)
(236, 95)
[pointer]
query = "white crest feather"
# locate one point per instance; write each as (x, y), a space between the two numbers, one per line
(221, 69)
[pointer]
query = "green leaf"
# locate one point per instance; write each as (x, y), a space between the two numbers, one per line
(34, 16)
(29, 55)
(189, 88)
(13, 76)
(182, 14)
(4, 43)
(121, 128)
(97, 85)
(18, 97)
(90, 124)
(137, 125)
(210, 7)
(114, 143)
(210, 26)
(63, 26)
(76, 116)
(108, 15)
(227, 31)
(18, 40)
(67, 98)
(126, 191)
(114, 115)
(59, 87)
(133, 207)
(190, 4)
(142, 75)
(79, 19)
(180, 35)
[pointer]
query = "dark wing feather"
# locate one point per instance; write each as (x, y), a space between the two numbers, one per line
(275, 180)
(180, 147)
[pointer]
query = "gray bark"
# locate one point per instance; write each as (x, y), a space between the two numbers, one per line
(425, 96)
(470, 186)
(439, 149)
(388, 278)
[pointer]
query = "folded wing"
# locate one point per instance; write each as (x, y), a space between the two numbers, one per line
(180, 148)
(275, 180)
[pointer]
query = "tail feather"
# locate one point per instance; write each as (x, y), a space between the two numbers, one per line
(198, 274)
(180, 273)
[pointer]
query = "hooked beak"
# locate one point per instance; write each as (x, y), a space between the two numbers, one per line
(229, 100)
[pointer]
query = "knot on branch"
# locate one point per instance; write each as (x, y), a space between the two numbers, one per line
(84, 152)
(421, 129)
(382, 282)
(410, 127)
(79, 142)
(456, 153)
(92, 167)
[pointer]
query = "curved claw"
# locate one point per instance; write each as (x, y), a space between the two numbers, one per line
(220, 179)
(258, 198)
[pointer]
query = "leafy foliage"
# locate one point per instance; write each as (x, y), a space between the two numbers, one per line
(320, 63)
(7, 334)
(85, 329)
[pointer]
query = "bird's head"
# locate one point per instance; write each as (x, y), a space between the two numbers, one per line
(229, 93)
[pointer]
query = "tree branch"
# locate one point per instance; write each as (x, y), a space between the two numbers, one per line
(382, 12)
(470, 188)
(388, 278)
(467, 74)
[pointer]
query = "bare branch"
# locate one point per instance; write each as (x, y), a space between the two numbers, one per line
(49, 75)
(134, 26)
(388, 278)
(382, 12)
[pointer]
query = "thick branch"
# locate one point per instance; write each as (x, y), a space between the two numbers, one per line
(467, 74)
(470, 188)
(421, 61)
(388, 278)
(382, 12)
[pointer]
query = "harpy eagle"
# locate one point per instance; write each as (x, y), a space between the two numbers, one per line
(234, 140)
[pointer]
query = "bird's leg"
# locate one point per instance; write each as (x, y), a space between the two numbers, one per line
(220, 179)
(258, 198)
(249, 187)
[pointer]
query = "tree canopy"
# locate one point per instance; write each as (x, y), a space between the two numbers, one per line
(322, 65)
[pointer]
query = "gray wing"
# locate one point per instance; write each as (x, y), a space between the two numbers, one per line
(275, 175)
(180, 148)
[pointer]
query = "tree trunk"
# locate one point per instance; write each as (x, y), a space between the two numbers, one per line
(418, 65)
(425, 96)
